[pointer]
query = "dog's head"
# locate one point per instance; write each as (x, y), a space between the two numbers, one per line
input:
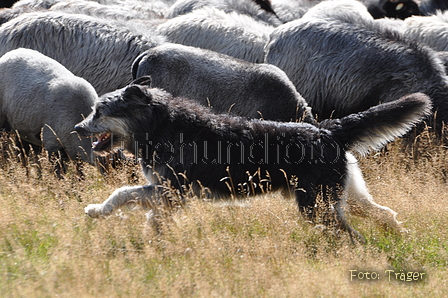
(119, 115)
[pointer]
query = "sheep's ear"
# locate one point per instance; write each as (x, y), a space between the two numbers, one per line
(144, 81)
(137, 94)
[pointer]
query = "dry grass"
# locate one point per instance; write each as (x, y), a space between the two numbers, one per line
(257, 248)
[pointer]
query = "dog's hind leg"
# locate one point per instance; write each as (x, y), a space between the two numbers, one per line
(360, 201)
(140, 195)
(340, 214)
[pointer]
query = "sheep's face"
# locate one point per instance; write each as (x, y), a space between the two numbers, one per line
(401, 9)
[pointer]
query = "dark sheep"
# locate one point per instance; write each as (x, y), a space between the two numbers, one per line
(223, 82)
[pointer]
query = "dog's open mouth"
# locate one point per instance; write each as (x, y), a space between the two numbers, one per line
(103, 143)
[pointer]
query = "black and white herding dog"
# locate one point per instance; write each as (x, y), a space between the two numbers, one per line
(175, 136)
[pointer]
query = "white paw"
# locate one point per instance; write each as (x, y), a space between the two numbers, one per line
(150, 216)
(95, 210)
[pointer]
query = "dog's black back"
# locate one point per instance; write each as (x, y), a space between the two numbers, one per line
(215, 149)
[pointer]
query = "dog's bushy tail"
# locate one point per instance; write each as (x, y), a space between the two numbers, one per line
(379, 125)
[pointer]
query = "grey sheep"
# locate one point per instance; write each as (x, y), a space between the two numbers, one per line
(90, 48)
(225, 83)
(42, 101)
(233, 34)
(342, 68)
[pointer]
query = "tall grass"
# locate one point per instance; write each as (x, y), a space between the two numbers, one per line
(260, 247)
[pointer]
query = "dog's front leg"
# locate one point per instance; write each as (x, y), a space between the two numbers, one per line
(138, 194)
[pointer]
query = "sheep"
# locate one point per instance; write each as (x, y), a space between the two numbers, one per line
(430, 30)
(341, 68)
(351, 11)
(391, 23)
(157, 6)
(8, 14)
(138, 19)
(288, 10)
(45, 4)
(41, 100)
(232, 34)
(246, 7)
(223, 82)
(90, 48)
(115, 12)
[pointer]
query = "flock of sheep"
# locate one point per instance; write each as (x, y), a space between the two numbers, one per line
(281, 60)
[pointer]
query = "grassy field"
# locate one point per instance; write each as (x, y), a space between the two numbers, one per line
(260, 247)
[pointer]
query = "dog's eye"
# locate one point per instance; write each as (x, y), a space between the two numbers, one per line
(97, 114)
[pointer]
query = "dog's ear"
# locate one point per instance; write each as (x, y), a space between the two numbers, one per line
(137, 94)
(143, 80)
